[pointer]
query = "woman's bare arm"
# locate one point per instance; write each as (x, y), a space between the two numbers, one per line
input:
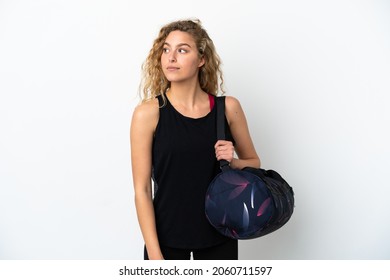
(143, 124)
(244, 147)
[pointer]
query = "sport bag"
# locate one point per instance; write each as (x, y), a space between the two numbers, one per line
(247, 203)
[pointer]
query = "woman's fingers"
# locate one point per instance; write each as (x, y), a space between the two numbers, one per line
(224, 150)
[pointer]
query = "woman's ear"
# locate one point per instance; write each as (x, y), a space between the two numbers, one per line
(201, 62)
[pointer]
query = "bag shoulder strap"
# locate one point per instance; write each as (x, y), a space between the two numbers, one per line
(220, 103)
(220, 106)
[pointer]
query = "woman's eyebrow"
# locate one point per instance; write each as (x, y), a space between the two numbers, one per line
(179, 45)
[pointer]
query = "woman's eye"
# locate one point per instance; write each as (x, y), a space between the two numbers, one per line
(165, 50)
(182, 51)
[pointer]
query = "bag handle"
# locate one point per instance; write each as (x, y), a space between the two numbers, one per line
(220, 106)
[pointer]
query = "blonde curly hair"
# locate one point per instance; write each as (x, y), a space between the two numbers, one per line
(153, 81)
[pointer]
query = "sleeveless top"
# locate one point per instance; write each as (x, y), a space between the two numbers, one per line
(184, 163)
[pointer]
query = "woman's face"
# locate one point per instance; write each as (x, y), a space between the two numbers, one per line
(180, 59)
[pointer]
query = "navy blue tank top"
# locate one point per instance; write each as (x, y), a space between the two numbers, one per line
(184, 164)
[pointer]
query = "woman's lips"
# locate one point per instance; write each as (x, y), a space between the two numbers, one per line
(172, 68)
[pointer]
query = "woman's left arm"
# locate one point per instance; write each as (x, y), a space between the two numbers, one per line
(244, 147)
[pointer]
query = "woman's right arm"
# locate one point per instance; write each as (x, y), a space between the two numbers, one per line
(143, 124)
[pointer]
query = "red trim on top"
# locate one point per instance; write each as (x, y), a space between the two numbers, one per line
(212, 101)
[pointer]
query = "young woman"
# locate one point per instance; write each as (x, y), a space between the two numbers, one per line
(174, 144)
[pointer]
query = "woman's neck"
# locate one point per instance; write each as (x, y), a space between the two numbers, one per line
(185, 94)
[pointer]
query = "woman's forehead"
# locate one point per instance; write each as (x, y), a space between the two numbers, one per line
(179, 37)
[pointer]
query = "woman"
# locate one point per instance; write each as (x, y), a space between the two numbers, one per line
(173, 141)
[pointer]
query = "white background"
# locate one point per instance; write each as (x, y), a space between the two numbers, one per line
(312, 77)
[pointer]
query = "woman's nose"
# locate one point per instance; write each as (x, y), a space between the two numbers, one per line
(172, 57)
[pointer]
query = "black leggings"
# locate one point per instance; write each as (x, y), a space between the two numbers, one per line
(225, 251)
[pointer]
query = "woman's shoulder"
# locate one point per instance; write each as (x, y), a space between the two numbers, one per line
(232, 103)
(233, 110)
(147, 110)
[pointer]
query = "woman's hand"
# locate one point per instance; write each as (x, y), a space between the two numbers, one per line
(224, 150)
(157, 256)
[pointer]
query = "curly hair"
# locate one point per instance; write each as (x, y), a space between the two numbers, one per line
(153, 81)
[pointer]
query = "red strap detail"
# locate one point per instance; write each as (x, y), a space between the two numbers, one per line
(212, 101)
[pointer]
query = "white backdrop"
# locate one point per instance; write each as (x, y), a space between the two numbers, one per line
(312, 77)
